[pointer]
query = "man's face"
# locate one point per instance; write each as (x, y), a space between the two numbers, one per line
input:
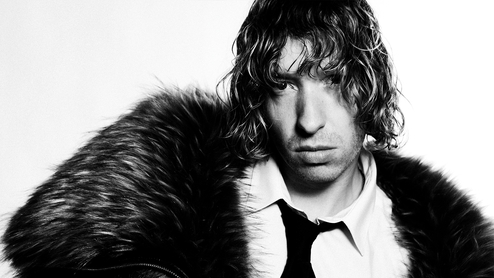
(312, 127)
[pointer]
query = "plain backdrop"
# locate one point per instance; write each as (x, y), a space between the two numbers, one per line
(68, 68)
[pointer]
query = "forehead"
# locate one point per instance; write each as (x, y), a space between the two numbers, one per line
(294, 53)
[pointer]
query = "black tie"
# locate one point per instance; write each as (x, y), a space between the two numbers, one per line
(300, 234)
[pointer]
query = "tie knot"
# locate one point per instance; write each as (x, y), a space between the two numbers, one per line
(300, 234)
(294, 220)
(297, 223)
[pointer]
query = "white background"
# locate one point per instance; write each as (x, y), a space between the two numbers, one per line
(68, 68)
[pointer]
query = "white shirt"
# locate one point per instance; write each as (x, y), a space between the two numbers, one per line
(364, 247)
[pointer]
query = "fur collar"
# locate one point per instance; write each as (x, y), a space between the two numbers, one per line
(443, 231)
(157, 190)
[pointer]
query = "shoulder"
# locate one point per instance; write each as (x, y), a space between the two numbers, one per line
(443, 229)
(159, 182)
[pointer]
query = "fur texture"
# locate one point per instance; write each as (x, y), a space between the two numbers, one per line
(157, 187)
(444, 232)
(155, 195)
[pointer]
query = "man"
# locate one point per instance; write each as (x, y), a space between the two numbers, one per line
(317, 77)
(186, 186)
(324, 85)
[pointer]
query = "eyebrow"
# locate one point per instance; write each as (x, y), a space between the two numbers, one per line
(287, 75)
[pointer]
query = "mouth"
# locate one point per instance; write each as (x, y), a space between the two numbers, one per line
(308, 148)
(315, 154)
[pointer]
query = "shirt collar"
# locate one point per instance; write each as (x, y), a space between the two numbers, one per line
(267, 186)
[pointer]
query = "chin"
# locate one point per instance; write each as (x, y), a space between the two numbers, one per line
(320, 174)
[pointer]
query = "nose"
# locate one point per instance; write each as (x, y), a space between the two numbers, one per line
(311, 115)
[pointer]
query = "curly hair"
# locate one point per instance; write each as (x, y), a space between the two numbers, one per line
(346, 32)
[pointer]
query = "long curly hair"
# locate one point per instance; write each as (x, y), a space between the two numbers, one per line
(346, 32)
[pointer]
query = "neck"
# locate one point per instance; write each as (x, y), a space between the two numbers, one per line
(331, 198)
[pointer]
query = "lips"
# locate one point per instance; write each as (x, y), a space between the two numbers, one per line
(308, 148)
(315, 154)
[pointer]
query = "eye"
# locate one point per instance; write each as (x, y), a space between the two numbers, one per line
(282, 85)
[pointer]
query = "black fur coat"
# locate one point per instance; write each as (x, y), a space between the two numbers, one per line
(156, 195)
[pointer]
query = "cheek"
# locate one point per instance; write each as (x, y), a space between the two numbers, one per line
(278, 119)
(279, 111)
(271, 112)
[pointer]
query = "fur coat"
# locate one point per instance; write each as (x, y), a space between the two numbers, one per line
(156, 195)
